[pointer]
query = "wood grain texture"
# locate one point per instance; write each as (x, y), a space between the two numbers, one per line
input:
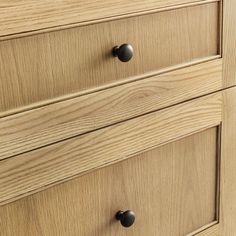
(46, 125)
(213, 230)
(31, 15)
(228, 164)
(229, 43)
(26, 173)
(171, 189)
(132, 79)
(55, 64)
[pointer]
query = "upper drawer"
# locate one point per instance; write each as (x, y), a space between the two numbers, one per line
(49, 65)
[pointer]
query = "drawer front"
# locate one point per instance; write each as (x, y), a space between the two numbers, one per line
(49, 65)
(171, 189)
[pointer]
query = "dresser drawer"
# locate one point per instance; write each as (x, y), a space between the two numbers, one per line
(171, 190)
(49, 65)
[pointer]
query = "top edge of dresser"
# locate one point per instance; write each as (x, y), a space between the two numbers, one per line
(27, 17)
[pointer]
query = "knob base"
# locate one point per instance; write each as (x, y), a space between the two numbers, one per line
(115, 51)
(119, 215)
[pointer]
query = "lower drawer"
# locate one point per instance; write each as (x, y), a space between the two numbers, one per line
(171, 189)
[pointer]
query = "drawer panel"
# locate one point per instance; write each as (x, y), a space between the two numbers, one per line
(49, 65)
(172, 190)
(31, 171)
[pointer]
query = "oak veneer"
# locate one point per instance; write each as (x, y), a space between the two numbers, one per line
(59, 121)
(228, 164)
(21, 175)
(30, 15)
(213, 230)
(171, 189)
(54, 64)
(34, 171)
(229, 43)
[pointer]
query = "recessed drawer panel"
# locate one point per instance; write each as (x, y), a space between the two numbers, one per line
(45, 66)
(171, 190)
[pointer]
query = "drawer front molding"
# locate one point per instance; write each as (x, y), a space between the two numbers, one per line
(62, 120)
(53, 15)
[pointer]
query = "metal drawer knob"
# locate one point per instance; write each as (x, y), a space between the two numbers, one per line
(126, 218)
(124, 52)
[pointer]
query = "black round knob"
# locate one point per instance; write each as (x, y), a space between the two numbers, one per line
(126, 218)
(124, 52)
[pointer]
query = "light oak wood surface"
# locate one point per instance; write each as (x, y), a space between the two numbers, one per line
(30, 15)
(21, 175)
(229, 43)
(59, 121)
(69, 164)
(49, 65)
(211, 231)
(228, 165)
(165, 71)
(171, 189)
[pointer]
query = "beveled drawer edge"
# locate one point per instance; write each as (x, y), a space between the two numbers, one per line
(33, 171)
(25, 33)
(211, 229)
(43, 126)
(108, 86)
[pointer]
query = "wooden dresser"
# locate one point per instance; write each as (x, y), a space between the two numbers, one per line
(118, 118)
